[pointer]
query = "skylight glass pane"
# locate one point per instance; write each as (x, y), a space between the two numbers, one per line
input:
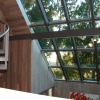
(89, 75)
(45, 44)
(39, 29)
(54, 10)
(81, 25)
(78, 9)
(97, 24)
(73, 74)
(32, 11)
(99, 59)
(86, 59)
(97, 8)
(59, 27)
(98, 41)
(52, 59)
(64, 43)
(84, 41)
(68, 58)
(58, 73)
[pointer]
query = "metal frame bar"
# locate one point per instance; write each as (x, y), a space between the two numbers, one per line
(96, 59)
(39, 2)
(61, 34)
(77, 59)
(66, 33)
(72, 38)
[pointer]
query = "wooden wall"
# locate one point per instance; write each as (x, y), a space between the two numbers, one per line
(17, 76)
(62, 88)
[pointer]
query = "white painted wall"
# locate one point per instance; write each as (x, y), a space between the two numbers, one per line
(41, 78)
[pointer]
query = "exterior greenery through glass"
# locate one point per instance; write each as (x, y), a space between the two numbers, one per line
(70, 58)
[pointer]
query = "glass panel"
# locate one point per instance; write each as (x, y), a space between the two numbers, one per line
(64, 43)
(68, 58)
(78, 9)
(52, 58)
(39, 29)
(81, 25)
(98, 41)
(86, 59)
(96, 8)
(59, 27)
(57, 72)
(97, 24)
(99, 58)
(73, 74)
(32, 11)
(54, 10)
(45, 44)
(90, 75)
(84, 41)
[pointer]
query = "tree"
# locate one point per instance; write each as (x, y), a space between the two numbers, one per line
(54, 12)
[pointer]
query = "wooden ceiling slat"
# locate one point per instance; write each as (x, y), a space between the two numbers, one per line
(13, 16)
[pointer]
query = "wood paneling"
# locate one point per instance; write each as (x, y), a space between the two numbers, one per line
(62, 89)
(18, 75)
(14, 17)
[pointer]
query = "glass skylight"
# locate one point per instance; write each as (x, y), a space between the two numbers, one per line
(78, 9)
(54, 10)
(70, 58)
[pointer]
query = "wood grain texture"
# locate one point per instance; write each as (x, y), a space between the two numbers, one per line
(18, 74)
(14, 17)
(62, 89)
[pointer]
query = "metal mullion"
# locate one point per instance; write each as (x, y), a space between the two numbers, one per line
(73, 41)
(96, 57)
(59, 58)
(85, 49)
(92, 68)
(65, 50)
(92, 12)
(66, 13)
(48, 50)
(77, 59)
(36, 25)
(80, 20)
(55, 67)
(49, 30)
(58, 22)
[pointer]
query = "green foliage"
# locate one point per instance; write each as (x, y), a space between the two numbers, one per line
(58, 73)
(54, 10)
(73, 74)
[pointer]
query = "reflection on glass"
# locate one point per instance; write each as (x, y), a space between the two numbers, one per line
(64, 43)
(73, 74)
(84, 41)
(45, 44)
(99, 59)
(68, 58)
(54, 10)
(89, 75)
(78, 9)
(39, 29)
(86, 59)
(57, 72)
(32, 11)
(97, 24)
(52, 59)
(97, 8)
(81, 25)
(59, 27)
